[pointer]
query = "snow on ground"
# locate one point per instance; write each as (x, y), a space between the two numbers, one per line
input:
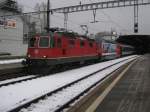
(13, 95)
(11, 61)
(16, 79)
(52, 103)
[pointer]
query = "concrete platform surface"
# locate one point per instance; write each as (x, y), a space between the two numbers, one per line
(10, 66)
(132, 92)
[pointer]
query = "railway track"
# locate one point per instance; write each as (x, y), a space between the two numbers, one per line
(17, 80)
(13, 76)
(19, 71)
(60, 98)
(9, 74)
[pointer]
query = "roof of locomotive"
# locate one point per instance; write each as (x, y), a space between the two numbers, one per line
(71, 34)
(67, 33)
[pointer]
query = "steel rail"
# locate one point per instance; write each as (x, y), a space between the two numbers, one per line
(18, 81)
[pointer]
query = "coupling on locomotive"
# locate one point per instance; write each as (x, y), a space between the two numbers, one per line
(62, 47)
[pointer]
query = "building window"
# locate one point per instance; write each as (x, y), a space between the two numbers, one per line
(25, 39)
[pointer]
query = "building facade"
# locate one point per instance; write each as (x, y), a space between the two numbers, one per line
(11, 29)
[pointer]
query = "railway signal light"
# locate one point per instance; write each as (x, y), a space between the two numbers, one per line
(136, 28)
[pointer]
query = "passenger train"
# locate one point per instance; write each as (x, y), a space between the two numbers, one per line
(62, 47)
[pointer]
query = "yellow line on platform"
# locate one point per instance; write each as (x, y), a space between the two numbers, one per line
(97, 102)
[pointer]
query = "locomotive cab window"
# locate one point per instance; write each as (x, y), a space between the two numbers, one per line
(44, 42)
(59, 43)
(32, 42)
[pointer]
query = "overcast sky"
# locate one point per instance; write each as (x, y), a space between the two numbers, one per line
(120, 19)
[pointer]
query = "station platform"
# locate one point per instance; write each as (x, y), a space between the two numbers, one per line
(10, 62)
(8, 71)
(10, 66)
(132, 91)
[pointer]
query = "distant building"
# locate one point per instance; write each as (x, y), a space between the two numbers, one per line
(11, 29)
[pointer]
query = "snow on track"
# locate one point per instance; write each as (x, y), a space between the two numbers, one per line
(16, 79)
(9, 61)
(52, 103)
(16, 94)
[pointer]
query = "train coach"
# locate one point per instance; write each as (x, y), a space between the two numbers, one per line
(61, 47)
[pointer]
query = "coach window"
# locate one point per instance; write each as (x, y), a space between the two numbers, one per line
(32, 42)
(90, 44)
(82, 43)
(113, 48)
(71, 43)
(59, 43)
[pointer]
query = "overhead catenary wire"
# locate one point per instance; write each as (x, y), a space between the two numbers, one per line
(75, 23)
(117, 24)
(70, 21)
(39, 12)
(110, 20)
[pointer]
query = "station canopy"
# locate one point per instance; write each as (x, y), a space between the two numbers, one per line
(140, 42)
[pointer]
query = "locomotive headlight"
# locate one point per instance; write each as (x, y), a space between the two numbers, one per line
(29, 55)
(44, 56)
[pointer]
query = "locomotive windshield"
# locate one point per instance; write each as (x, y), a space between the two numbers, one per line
(44, 42)
(32, 42)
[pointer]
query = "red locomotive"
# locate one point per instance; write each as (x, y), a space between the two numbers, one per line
(61, 47)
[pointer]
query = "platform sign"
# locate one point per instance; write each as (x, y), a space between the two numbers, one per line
(10, 23)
